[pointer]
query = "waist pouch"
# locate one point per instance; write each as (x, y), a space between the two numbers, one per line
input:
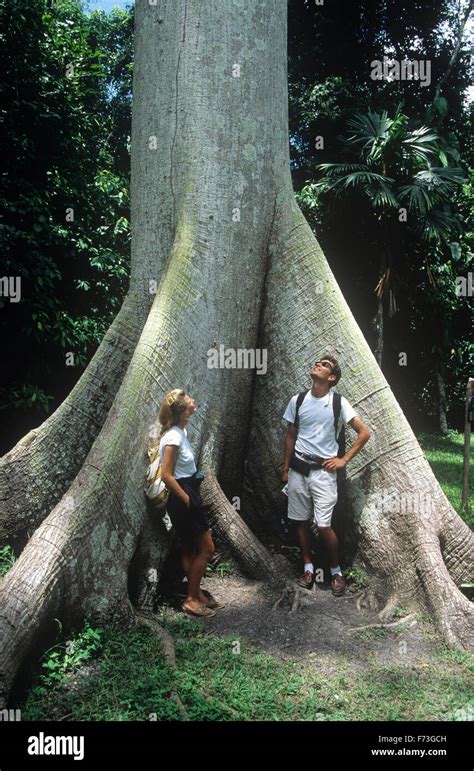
(197, 478)
(193, 481)
(302, 466)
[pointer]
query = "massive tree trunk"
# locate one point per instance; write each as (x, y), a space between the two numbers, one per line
(216, 227)
(39, 469)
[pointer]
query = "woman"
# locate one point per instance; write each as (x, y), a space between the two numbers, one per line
(184, 506)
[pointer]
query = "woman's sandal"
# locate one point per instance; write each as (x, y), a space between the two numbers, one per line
(211, 601)
(202, 612)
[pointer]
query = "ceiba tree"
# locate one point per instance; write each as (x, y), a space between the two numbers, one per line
(221, 255)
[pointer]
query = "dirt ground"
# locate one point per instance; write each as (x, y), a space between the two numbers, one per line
(289, 622)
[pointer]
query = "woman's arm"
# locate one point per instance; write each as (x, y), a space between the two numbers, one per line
(168, 463)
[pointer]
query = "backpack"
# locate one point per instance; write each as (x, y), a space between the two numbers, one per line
(155, 488)
(336, 407)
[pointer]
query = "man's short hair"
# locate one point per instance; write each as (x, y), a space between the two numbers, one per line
(336, 370)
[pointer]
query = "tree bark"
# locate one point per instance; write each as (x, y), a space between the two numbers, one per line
(379, 320)
(216, 228)
(465, 497)
(209, 269)
(398, 526)
(442, 409)
(378, 323)
(456, 50)
(39, 469)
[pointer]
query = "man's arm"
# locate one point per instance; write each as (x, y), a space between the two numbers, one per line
(363, 436)
(290, 440)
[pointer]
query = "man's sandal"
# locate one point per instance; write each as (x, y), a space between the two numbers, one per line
(202, 612)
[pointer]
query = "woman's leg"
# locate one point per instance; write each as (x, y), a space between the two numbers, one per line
(188, 548)
(205, 549)
(188, 555)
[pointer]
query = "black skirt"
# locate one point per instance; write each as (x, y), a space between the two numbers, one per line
(190, 521)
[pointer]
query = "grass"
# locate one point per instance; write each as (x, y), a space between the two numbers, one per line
(445, 456)
(356, 578)
(7, 559)
(104, 674)
(218, 567)
(218, 678)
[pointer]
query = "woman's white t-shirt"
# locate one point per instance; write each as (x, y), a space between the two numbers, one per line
(185, 465)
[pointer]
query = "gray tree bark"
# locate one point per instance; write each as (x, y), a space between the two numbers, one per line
(442, 404)
(39, 469)
(217, 233)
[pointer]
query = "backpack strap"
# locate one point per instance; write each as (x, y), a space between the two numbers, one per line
(336, 408)
(341, 436)
(299, 402)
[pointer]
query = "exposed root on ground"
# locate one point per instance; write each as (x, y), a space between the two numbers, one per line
(393, 625)
(167, 646)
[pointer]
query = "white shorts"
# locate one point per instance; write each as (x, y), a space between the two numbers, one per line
(312, 496)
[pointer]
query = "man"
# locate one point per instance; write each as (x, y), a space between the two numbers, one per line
(313, 442)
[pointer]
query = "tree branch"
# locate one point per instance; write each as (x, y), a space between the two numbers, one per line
(455, 54)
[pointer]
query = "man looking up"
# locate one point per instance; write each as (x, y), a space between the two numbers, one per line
(311, 463)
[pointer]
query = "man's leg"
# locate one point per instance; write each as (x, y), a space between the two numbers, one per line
(329, 538)
(330, 541)
(323, 487)
(304, 540)
(300, 507)
(303, 532)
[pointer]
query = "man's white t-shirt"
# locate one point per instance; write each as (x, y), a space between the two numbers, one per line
(316, 435)
(185, 465)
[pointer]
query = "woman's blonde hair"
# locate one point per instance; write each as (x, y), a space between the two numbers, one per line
(171, 408)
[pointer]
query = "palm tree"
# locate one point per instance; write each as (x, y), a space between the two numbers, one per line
(404, 174)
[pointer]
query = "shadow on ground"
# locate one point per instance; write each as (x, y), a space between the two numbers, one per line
(312, 625)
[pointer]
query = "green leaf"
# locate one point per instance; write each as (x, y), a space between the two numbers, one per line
(441, 106)
(443, 158)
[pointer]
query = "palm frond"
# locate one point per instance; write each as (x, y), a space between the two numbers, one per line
(336, 169)
(437, 226)
(385, 198)
(422, 143)
(419, 200)
(442, 177)
(383, 283)
(364, 180)
(369, 132)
